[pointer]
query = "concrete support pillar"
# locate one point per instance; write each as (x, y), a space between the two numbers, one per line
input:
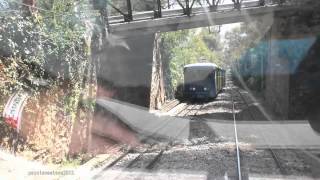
(123, 73)
(277, 79)
(125, 69)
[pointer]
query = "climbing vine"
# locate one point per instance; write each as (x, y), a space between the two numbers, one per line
(47, 54)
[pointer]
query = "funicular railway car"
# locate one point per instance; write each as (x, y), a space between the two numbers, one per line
(202, 81)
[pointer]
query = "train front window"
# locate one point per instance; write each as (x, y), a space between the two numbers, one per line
(198, 76)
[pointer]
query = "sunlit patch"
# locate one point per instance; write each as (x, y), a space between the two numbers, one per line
(217, 110)
(158, 175)
(253, 176)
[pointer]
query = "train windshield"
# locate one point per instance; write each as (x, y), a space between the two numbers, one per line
(198, 75)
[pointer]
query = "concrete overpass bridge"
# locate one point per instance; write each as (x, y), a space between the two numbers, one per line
(177, 19)
(189, 14)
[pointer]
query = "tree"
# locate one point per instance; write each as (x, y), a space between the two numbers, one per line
(246, 51)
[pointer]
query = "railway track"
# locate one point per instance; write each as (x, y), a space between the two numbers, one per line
(273, 153)
(236, 99)
(194, 118)
(150, 164)
(154, 156)
(279, 162)
(239, 172)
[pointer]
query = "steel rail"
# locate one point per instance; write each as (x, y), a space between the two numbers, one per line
(153, 162)
(188, 110)
(131, 163)
(151, 165)
(277, 161)
(114, 162)
(236, 138)
(272, 152)
(183, 109)
(274, 155)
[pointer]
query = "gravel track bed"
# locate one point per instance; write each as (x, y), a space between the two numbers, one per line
(206, 153)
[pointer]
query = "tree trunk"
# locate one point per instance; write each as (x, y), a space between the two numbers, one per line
(157, 94)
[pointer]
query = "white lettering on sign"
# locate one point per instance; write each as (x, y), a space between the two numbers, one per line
(13, 110)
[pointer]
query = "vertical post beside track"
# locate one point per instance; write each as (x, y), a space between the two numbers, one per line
(129, 17)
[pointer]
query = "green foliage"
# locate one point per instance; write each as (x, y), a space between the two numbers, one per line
(241, 39)
(137, 6)
(190, 46)
(48, 45)
(246, 51)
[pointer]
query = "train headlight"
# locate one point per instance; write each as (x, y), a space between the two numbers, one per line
(205, 89)
(192, 88)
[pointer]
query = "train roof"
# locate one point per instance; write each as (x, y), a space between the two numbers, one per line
(214, 66)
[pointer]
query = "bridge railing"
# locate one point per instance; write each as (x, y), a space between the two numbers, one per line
(130, 10)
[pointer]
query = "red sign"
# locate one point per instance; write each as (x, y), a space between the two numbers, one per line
(13, 109)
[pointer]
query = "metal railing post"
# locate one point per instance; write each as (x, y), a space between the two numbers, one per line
(128, 17)
(157, 9)
(188, 9)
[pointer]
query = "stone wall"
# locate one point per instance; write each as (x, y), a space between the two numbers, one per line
(305, 84)
(297, 23)
(45, 123)
(287, 72)
(277, 80)
(304, 79)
